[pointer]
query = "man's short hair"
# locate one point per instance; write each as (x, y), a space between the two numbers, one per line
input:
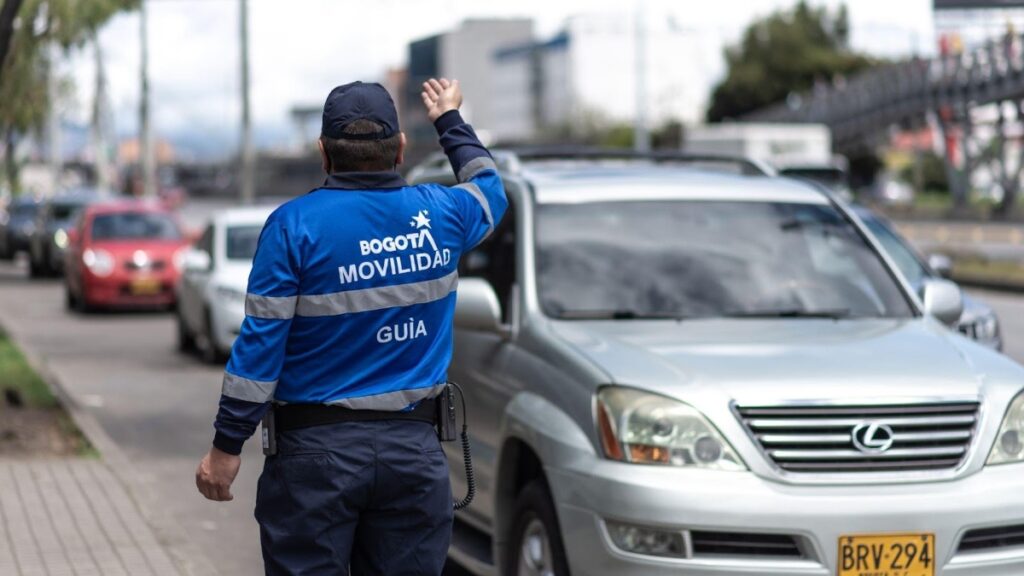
(361, 155)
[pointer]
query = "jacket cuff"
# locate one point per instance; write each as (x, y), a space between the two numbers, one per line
(227, 445)
(447, 121)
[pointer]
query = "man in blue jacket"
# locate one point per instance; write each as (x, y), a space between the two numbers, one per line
(348, 333)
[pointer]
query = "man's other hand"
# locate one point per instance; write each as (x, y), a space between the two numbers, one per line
(440, 96)
(216, 472)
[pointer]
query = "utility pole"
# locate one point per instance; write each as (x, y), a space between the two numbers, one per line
(53, 122)
(248, 184)
(101, 162)
(146, 153)
(641, 135)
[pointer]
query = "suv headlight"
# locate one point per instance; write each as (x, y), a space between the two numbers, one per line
(645, 428)
(1009, 446)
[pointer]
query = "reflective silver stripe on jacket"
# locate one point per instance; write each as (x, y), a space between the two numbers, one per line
(475, 167)
(368, 299)
(389, 401)
(479, 195)
(246, 389)
(274, 307)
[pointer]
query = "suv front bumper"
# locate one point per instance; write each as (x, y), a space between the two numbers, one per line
(815, 516)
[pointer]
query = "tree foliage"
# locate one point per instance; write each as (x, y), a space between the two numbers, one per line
(25, 92)
(785, 52)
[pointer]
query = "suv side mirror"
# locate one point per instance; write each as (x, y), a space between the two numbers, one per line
(477, 308)
(941, 264)
(197, 261)
(943, 300)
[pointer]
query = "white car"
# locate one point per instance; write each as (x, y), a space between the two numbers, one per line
(211, 292)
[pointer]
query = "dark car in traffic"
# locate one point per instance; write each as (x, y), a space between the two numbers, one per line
(17, 223)
(49, 236)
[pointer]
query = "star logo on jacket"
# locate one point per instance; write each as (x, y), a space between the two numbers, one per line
(420, 220)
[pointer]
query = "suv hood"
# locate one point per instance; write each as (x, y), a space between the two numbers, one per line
(779, 360)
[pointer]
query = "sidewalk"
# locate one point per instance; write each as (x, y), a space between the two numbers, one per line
(72, 516)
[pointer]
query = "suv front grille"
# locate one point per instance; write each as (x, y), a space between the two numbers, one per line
(851, 439)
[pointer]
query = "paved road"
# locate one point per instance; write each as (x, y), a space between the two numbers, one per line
(158, 405)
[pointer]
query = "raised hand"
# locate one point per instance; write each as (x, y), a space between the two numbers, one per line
(440, 96)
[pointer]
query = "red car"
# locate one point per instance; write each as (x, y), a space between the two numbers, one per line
(124, 254)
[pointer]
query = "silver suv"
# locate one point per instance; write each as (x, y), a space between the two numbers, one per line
(677, 370)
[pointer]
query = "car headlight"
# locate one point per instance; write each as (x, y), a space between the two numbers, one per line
(1009, 446)
(645, 428)
(986, 327)
(230, 294)
(60, 238)
(99, 262)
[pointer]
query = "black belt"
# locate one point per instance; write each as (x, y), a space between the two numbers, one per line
(295, 416)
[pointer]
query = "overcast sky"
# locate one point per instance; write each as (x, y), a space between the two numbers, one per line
(302, 48)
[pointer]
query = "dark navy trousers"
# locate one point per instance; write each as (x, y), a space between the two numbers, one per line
(370, 497)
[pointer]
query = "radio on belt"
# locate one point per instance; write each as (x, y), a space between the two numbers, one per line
(446, 415)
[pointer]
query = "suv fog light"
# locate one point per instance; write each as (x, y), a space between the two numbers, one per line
(647, 541)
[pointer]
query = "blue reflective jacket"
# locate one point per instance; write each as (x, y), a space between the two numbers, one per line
(352, 290)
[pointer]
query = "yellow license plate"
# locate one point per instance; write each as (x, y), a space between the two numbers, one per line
(887, 555)
(145, 286)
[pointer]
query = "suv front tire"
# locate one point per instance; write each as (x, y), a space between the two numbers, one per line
(537, 548)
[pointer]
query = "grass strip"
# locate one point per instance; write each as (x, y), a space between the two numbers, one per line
(17, 375)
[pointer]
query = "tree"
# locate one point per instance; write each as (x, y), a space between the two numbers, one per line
(25, 92)
(8, 13)
(786, 52)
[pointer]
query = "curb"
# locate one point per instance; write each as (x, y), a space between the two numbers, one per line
(169, 534)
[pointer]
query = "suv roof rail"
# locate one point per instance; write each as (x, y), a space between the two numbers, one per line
(745, 165)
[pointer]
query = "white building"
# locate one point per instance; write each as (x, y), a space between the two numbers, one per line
(464, 53)
(588, 74)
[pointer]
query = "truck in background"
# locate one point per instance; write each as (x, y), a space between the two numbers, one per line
(801, 151)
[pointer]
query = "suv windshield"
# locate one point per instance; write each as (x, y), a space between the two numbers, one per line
(135, 225)
(684, 259)
(242, 242)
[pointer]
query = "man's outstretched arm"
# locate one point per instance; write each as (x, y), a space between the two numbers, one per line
(483, 203)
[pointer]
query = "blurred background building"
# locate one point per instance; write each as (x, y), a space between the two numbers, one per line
(588, 73)
(466, 52)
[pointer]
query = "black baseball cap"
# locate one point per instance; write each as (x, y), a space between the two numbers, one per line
(359, 101)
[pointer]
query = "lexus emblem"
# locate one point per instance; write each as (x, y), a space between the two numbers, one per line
(872, 437)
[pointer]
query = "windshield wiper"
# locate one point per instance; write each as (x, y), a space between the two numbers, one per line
(615, 315)
(790, 313)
